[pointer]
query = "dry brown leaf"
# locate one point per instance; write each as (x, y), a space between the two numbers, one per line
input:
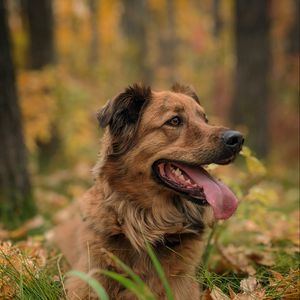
(237, 258)
(205, 295)
(285, 228)
(262, 258)
(217, 294)
(251, 290)
(251, 226)
(277, 275)
(263, 239)
(232, 294)
(50, 200)
(288, 286)
(255, 296)
(31, 224)
(249, 284)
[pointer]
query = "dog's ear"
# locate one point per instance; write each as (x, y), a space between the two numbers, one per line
(185, 89)
(123, 112)
(104, 115)
(125, 108)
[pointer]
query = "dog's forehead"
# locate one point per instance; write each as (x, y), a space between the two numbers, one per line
(167, 100)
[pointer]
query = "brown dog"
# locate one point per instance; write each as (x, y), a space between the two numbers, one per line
(150, 185)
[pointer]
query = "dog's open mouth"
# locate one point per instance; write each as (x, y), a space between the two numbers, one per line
(197, 185)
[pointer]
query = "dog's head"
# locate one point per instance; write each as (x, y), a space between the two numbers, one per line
(160, 141)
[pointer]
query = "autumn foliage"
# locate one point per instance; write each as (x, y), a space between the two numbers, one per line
(254, 255)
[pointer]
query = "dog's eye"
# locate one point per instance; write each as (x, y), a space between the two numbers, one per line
(175, 121)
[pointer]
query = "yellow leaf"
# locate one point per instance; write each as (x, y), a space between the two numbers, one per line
(246, 152)
(255, 167)
(263, 194)
(211, 167)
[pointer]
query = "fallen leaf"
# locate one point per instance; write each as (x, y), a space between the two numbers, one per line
(31, 224)
(232, 294)
(251, 226)
(288, 286)
(217, 294)
(246, 152)
(262, 258)
(249, 284)
(263, 239)
(255, 167)
(251, 290)
(237, 258)
(277, 275)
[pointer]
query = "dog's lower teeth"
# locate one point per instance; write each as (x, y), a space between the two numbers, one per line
(178, 172)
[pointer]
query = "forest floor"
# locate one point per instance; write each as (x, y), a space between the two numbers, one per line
(254, 255)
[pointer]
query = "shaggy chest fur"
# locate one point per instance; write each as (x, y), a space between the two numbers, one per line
(112, 223)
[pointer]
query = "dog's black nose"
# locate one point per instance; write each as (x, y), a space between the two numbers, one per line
(233, 140)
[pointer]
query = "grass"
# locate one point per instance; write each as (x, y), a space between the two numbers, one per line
(130, 281)
(262, 237)
(22, 278)
(92, 282)
(35, 282)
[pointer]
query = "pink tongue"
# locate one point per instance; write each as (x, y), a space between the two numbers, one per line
(219, 196)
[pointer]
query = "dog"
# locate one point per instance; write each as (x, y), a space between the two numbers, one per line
(151, 185)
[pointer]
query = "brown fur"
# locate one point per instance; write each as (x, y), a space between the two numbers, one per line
(126, 205)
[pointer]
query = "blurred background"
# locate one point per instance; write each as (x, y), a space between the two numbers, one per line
(60, 61)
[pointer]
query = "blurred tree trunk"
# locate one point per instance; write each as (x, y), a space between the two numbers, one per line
(16, 202)
(41, 52)
(250, 102)
(94, 45)
(168, 42)
(218, 22)
(293, 43)
(134, 25)
(39, 17)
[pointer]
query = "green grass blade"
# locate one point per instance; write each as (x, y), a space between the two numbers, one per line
(138, 290)
(92, 282)
(159, 271)
(209, 246)
(125, 268)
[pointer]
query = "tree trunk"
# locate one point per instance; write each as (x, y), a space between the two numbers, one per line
(168, 42)
(218, 22)
(16, 203)
(39, 16)
(250, 102)
(293, 42)
(94, 43)
(134, 21)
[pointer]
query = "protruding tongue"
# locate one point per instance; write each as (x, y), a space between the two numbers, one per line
(219, 196)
